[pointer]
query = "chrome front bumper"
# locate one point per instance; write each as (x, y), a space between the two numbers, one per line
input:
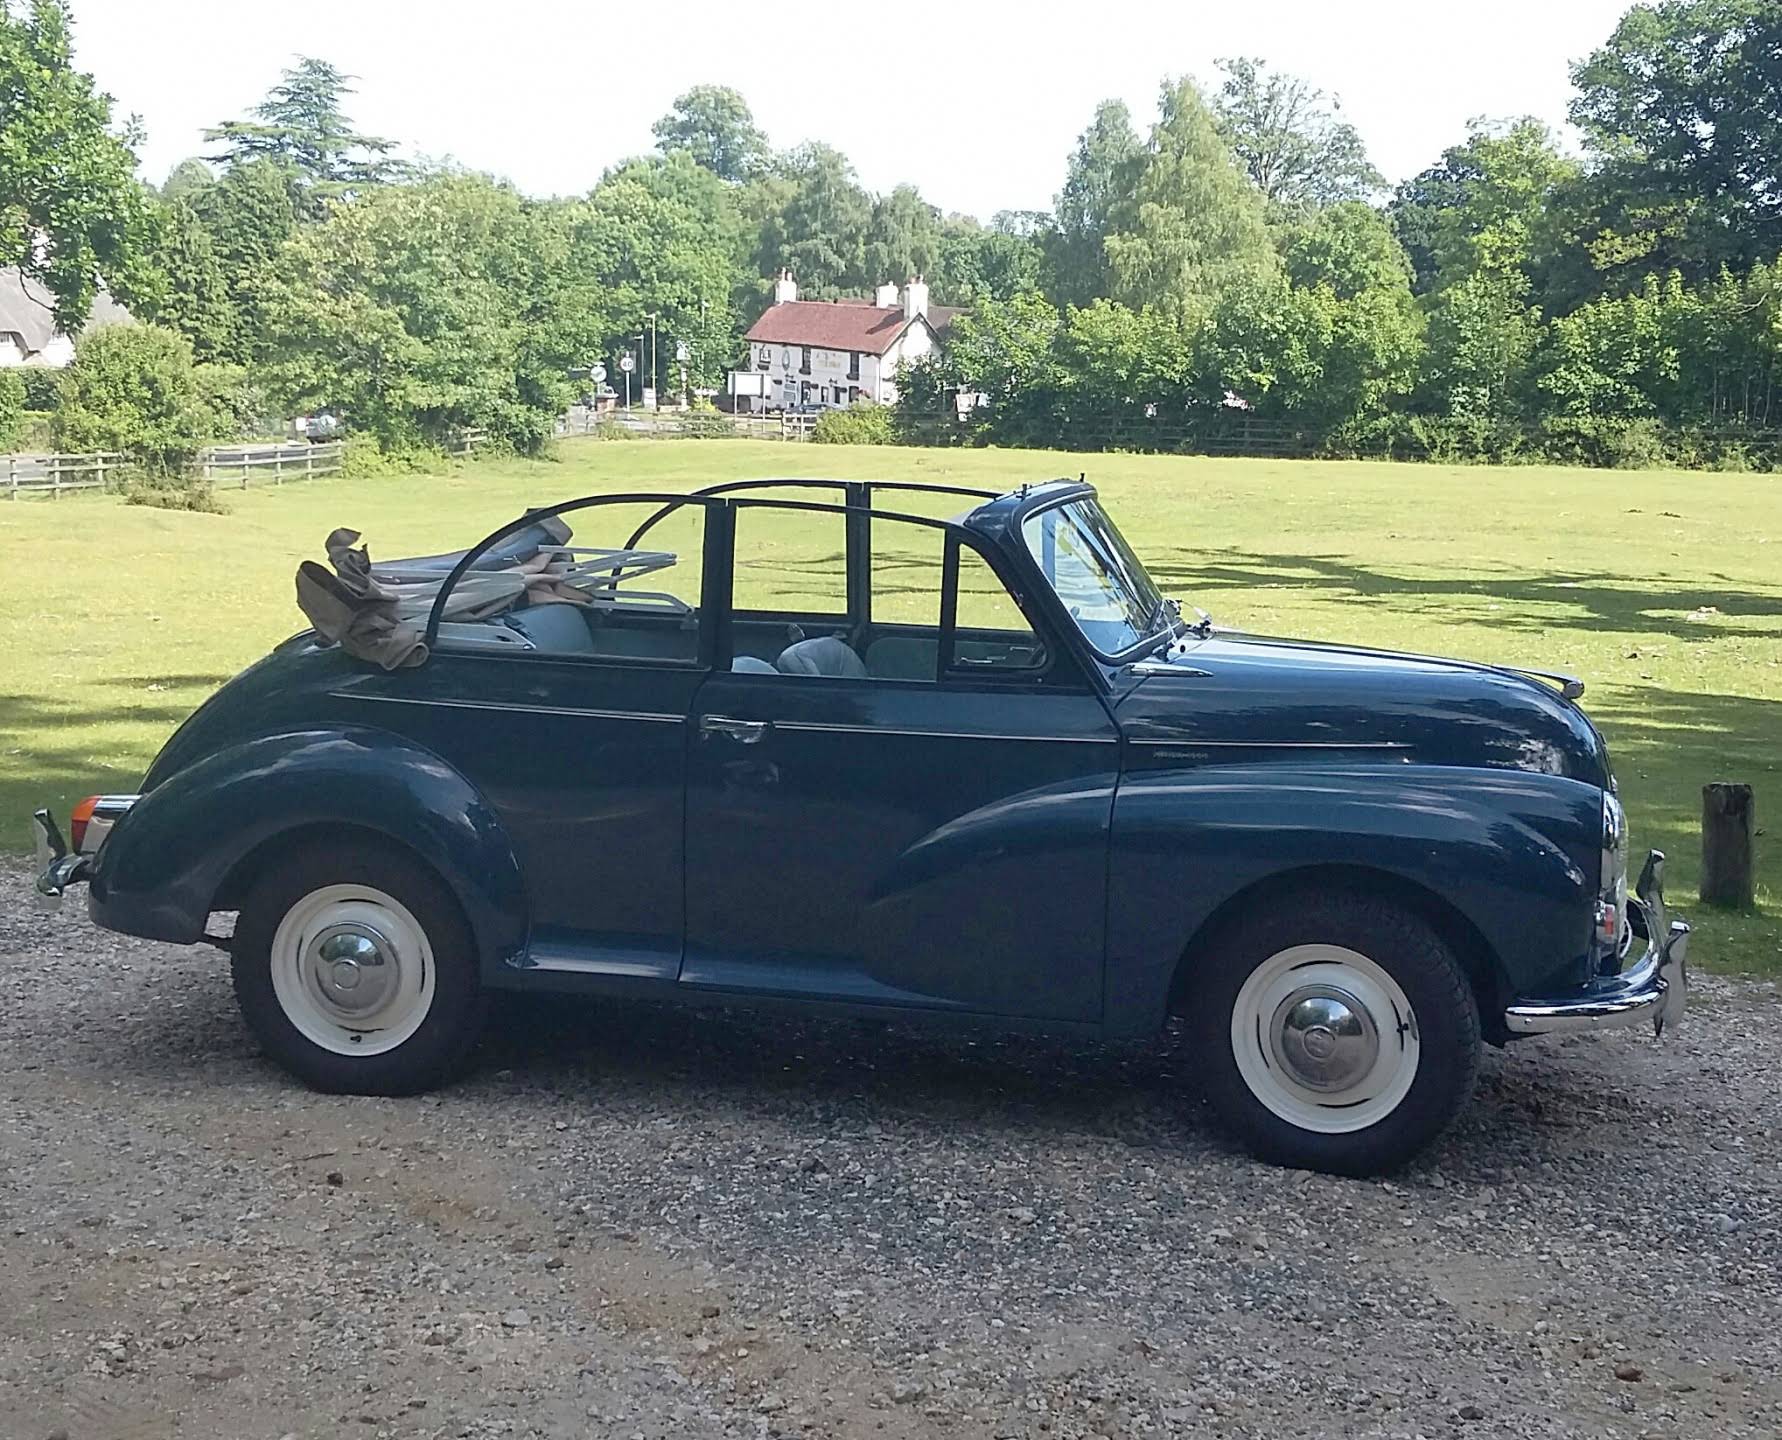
(1655, 988)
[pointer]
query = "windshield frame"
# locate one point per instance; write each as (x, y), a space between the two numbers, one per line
(1159, 625)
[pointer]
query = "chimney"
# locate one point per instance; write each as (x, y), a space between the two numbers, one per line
(785, 288)
(885, 297)
(915, 298)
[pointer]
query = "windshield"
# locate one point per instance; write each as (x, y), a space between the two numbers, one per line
(1094, 572)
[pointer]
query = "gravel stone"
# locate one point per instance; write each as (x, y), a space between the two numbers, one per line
(723, 1226)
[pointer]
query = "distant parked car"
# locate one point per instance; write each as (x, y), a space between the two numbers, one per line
(1039, 796)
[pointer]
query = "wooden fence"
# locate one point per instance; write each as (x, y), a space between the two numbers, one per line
(277, 463)
(52, 474)
(687, 425)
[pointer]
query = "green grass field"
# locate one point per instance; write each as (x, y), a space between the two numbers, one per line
(1663, 590)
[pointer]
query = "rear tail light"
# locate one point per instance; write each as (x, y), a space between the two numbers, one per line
(78, 822)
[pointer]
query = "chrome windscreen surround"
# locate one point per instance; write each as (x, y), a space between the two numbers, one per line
(1654, 989)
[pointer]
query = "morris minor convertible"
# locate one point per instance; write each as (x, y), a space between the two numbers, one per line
(809, 743)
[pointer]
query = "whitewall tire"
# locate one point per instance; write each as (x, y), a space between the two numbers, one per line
(1334, 1031)
(355, 967)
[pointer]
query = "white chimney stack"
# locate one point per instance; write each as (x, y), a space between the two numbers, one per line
(885, 297)
(785, 289)
(915, 298)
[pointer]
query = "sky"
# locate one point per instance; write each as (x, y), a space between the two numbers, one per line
(977, 104)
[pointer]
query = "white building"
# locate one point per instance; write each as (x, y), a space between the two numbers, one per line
(28, 334)
(836, 353)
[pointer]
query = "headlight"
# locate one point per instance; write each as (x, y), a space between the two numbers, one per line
(1612, 933)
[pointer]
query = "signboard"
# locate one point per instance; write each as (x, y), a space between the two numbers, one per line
(681, 353)
(597, 373)
(626, 363)
(748, 382)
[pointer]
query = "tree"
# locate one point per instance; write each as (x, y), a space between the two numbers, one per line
(1483, 335)
(1351, 248)
(818, 230)
(1194, 224)
(1098, 182)
(72, 214)
(1486, 207)
(986, 264)
(904, 236)
(713, 124)
(1683, 110)
(412, 312)
(662, 237)
(195, 298)
(247, 216)
(1289, 139)
(302, 128)
(186, 179)
(132, 388)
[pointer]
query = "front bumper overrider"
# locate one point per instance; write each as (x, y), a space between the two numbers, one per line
(1654, 988)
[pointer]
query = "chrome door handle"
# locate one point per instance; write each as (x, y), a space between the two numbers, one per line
(744, 732)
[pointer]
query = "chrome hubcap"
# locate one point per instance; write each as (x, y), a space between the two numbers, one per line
(353, 967)
(1324, 1038)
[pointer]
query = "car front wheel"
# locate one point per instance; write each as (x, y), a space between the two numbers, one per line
(1335, 1033)
(355, 968)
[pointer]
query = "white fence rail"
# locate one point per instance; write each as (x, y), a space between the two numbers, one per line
(258, 464)
(687, 425)
(52, 474)
(243, 464)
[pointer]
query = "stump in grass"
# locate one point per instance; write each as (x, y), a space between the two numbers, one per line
(1729, 828)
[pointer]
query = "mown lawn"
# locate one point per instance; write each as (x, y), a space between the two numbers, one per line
(1662, 590)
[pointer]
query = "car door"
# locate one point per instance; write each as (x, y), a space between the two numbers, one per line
(924, 824)
(571, 720)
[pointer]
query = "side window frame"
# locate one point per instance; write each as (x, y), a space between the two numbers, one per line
(708, 612)
(1048, 672)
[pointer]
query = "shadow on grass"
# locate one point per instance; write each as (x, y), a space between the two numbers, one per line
(1596, 601)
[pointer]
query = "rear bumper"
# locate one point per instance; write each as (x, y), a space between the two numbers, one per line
(1654, 989)
(57, 868)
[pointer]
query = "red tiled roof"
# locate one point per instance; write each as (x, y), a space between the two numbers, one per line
(839, 325)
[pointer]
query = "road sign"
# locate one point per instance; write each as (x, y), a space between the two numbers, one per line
(681, 353)
(626, 363)
(597, 373)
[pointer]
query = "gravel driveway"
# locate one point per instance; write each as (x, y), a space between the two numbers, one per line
(638, 1222)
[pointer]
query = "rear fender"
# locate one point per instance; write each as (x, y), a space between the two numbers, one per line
(162, 869)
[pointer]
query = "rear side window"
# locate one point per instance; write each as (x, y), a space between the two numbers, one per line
(791, 562)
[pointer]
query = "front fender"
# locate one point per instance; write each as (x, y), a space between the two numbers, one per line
(1515, 853)
(160, 870)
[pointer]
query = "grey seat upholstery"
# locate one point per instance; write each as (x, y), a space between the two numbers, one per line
(824, 655)
(558, 627)
(752, 665)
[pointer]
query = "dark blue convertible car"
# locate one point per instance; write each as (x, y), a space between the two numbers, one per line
(805, 741)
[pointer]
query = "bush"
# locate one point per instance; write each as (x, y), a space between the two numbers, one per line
(43, 387)
(162, 490)
(133, 388)
(862, 425)
(12, 408)
(364, 458)
(236, 399)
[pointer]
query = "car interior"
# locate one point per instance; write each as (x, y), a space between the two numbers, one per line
(534, 592)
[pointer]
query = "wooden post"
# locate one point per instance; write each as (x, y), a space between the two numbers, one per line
(1729, 830)
(12, 475)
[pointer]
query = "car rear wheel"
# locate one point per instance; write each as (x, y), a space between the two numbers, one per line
(1335, 1032)
(355, 968)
